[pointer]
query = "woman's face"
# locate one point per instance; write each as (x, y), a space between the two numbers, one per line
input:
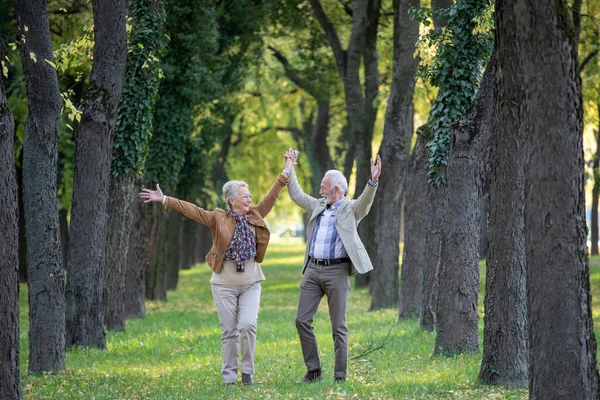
(241, 202)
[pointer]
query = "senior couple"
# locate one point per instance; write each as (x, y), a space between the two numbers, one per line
(240, 238)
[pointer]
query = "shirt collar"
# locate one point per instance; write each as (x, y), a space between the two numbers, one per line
(336, 205)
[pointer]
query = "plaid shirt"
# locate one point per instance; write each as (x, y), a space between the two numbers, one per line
(326, 243)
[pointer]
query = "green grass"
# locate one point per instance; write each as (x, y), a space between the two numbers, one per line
(174, 353)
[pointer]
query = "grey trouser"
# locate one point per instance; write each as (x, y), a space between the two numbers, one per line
(334, 282)
(237, 307)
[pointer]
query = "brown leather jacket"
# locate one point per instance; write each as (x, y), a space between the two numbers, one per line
(222, 224)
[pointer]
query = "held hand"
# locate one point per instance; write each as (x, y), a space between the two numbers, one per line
(376, 169)
(152, 195)
(291, 158)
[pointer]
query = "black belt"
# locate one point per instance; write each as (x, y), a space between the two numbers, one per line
(328, 261)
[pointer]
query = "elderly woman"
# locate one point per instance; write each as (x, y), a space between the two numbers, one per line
(239, 242)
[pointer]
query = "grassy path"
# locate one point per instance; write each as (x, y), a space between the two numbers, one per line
(175, 352)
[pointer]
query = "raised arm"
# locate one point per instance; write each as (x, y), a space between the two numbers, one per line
(294, 190)
(363, 203)
(268, 201)
(190, 210)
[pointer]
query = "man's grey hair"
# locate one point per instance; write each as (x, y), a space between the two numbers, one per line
(230, 189)
(338, 179)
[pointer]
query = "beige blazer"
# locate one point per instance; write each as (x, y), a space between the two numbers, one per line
(349, 214)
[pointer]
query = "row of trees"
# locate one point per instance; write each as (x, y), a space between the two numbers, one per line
(198, 91)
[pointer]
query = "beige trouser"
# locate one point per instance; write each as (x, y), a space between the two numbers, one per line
(334, 282)
(237, 307)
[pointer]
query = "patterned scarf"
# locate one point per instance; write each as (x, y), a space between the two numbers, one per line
(242, 246)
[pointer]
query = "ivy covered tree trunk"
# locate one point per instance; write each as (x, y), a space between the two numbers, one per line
(413, 260)
(40, 155)
(505, 358)
(456, 322)
(173, 124)
(89, 213)
(135, 271)
(122, 194)
(395, 155)
(10, 377)
(132, 136)
(563, 360)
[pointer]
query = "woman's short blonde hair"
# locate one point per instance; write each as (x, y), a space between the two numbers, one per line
(230, 190)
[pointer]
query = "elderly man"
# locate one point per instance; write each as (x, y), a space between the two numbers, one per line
(333, 253)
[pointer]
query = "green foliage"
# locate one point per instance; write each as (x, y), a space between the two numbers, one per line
(174, 353)
(452, 60)
(143, 72)
(190, 26)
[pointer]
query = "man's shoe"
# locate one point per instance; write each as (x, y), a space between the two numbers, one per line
(247, 379)
(313, 376)
(339, 379)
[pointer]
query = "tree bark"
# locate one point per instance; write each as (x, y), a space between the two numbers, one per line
(172, 251)
(203, 243)
(505, 344)
(40, 155)
(413, 261)
(395, 154)
(89, 213)
(10, 377)
(456, 315)
(435, 205)
(122, 194)
(22, 236)
(135, 269)
(563, 361)
(595, 194)
(156, 288)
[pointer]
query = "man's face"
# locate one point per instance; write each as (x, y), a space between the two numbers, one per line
(326, 190)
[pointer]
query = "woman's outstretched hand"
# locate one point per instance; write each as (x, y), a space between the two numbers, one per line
(152, 195)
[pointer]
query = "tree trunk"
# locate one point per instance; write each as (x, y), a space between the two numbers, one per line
(595, 193)
(434, 207)
(184, 244)
(122, 194)
(483, 223)
(456, 314)
(22, 236)
(156, 288)
(40, 155)
(505, 346)
(135, 270)
(413, 261)
(89, 213)
(563, 361)
(172, 251)
(395, 154)
(203, 243)
(10, 378)
(64, 234)
(360, 109)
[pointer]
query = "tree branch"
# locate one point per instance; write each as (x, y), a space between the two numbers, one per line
(330, 34)
(347, 7)
(586, 60)
(290, 73)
